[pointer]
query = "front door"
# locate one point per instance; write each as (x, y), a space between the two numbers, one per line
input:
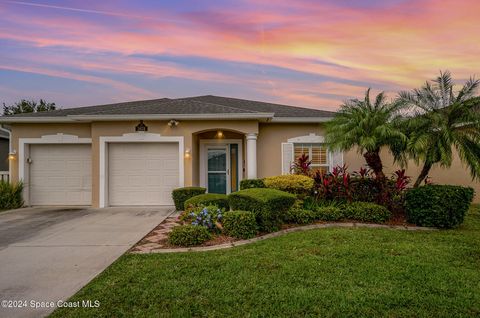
(217, 169)
(222, 168)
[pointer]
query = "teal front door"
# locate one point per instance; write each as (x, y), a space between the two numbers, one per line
(217, 169)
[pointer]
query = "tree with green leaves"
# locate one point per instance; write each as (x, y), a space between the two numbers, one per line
(28, 106)
(369, 127)
(441, 119)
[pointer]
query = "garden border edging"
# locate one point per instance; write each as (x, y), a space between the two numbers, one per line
(280, 233)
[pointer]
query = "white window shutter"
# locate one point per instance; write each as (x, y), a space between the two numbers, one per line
(287, 157)
(336, 159)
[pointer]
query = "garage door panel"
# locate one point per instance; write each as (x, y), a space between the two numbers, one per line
(142, 173)
(60, 174)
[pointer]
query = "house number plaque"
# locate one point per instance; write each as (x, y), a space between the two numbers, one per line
(141, 126)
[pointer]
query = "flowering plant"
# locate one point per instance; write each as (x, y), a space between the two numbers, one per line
(209, 217)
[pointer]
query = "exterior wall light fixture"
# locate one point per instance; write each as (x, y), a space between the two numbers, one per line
(173, 123)
(12, 155)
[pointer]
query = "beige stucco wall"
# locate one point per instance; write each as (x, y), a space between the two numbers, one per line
(187, 129)
(270, 137)
(269, 144)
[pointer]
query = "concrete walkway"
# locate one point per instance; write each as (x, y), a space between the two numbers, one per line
(47, 254)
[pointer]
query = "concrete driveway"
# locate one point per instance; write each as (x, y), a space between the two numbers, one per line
(47, 254)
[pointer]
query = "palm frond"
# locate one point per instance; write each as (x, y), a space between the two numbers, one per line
(468, 90)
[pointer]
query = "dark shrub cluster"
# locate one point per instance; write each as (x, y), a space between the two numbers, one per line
(219, 200)
(181, 195)
(442, 206)
(251, 183)
(188, 235)
(240, 224)
(11, 195)
(269, 205)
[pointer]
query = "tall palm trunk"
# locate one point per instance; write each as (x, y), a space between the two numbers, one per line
(423, 174)
(375, 163)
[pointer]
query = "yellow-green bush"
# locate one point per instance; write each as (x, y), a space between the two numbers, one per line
(292, 183)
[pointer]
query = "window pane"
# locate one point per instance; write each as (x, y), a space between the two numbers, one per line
(319, 155)
(217, 182)
(234, 167)
(300, 149)
(316, 152)
(217, 160)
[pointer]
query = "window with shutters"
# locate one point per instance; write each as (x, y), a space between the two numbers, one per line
(316, 152)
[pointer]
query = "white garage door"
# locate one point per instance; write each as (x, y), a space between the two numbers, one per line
(142, 173)
(60, 175)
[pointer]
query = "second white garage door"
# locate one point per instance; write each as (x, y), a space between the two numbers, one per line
(142, 173)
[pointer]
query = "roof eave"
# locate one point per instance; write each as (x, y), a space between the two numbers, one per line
(300, 119)
(90, 118)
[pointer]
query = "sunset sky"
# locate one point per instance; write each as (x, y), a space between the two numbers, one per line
(302, 52)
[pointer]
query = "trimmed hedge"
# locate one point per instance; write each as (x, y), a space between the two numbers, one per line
(330, 213)
(251, 183)
(442, 206)
(240, 224)
(219, 200)
(11, 195)
(367, 212)
(181, 195)
(300, 216)
(291, 183)
(188, 235)
(269, 205)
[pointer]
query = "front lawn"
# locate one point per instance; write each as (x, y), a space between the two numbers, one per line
(329, 272)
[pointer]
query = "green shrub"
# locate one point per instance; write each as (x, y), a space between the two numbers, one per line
(442, 206)
(269, 205)
(367, 212)
(219, 200)
(181, 195)
(251, 183)
(329, 213)
(300, 216)
(240, 224)
(11, 195)
(291, 183)
(188, 235)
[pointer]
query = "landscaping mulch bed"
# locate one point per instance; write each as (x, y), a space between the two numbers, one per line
(157, 239)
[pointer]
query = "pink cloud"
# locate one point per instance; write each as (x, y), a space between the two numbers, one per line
(390, 46)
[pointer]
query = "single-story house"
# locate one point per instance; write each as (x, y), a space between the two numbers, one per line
(135, 153)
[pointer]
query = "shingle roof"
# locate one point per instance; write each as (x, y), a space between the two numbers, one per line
(208, 104)
(251, 105)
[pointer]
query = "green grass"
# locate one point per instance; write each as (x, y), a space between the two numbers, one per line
(341, 272)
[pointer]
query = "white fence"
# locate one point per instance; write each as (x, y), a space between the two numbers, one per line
(4, 176)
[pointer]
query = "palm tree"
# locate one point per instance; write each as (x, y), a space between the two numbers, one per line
(367, 126)
(439, 120)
